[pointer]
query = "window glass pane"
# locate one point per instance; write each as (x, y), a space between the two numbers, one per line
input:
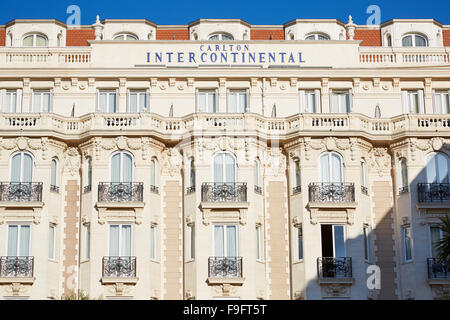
(420, 41)
(133, 102)
(442, 164)
(41, 41)
(24, 250)
(53, 173)
(15, 167)
(431, 169)
(120, 37)
(218, 241)
(27, 175)
(89, 172)
(115, 168)
(37, 98)
(226, 37)
(28, 41)
(192, 240)
(127, 175)
(407, 242)
(46, 102)
(112, 102)
(51, 243)
(322, 37)
(87, 240)
(311, 37)
(407, 41)
(126, 241)
(214, 37)
(152, 244)
(142, 102)
(435, 234)
(212, 102)
(102, 102)
(258, 244)
(230, 168)
(336, 168)
(13, 234)
(114, 241)
(363, 173)
(300, 243)
(242, 102)
(339, 242)
(233, 102)
(324, 168)
(335, 103)
(202, 96)
(192, 173)
(297, 174)
(438, 103)
(218, 168)
(231, 241)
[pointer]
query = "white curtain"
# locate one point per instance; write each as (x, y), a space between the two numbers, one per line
(127, 175)
(201, 101)
(46, 102)
(13, 235)
(405, 102)
(142, 101)
(37, 102)
(317, 102)
(334, 103)
(421, 107)
(212, 102)
(126, 241)
(27, 174)
(230, 168)
(114, 241)
(339, 242)
(302, 100)
(436, 103)
(15, 167)
(336, 168)
(231, 241)
(4, 100)
(233, 101)
(242, 102)
(19, 101)
(218, 241)
(324, 168)
(218, 168)
(112, 102)
(24, 241)
(102, 101)
(115, 168)
(133, 108)
(442, 164)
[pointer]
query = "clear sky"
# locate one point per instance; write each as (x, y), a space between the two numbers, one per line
(252, 11)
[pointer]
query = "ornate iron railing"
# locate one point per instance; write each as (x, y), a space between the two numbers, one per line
(154, 189)
(296, 189)
(21, 191)
(190, 189)
(332, 192)
(364, 190)
(54, 188)
(224, 192)
(87, 188)
(438, 269)
(334, 267)
(433, 192)
(120, 192)
(403, 190)
(16, 267)
(225, 267)
(119, 267)
(258, 190)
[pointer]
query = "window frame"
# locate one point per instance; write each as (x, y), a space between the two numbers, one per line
(341, 92)
(435, 155)
(238, 92)
(206, 91)
(220, 35)
(404, 247)
(21, 165)
(121, 165)
(341, 159)
(35, 35)
(126, 35)
(30, 242)
(413, 40)
(224, 171)
(56, 177)
(52, 242)
(108, 93)
(443, 96)
(42, 92)
(316, 36)
(225, 248)
(138, 92)
(121, 224)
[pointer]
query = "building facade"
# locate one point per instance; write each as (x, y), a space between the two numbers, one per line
(221, 159)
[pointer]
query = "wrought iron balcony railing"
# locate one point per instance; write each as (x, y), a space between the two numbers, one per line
(332, 192)
(154, 189)
(119, 267)
(54, 188)
(120, 192)
(224, 192)
(403, 190)
(225, 267)
(258, 190)
(87, 188)
(438, 269)
(433, 192)
(21, 191)
(296, 189)
(190, 189)
(364, 190)
(16, 267)
(334, 267)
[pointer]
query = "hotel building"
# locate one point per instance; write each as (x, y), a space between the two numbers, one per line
(222, 159)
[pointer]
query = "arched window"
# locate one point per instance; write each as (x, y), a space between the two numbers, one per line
(154, 175)
(35, 40)
(414, 40)
(403, 176)
(257, 176)
(317, 36)
(126, 36)
(389, 40)
(88, 175)
(331, 170)
(54, 185)
(192, 174)
(363, 174)
(121, 168)
(437, 168)
(224, 168)
(22, 168)
(221, 37)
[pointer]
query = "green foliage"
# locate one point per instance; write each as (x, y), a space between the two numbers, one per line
(443, 246)
(81, 295)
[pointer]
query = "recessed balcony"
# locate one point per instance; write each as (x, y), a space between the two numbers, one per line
(16, 269)
(334, 270)
(225, 270)
(119, 270)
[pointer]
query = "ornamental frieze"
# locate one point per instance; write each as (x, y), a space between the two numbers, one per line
(72, 161)
(380, 160)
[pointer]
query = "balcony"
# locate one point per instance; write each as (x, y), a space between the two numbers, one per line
(334, 270)
(21, 191)
(405, 56)
(224, 192)
(16, 270)
(438, 270)
(332, 192)
(119, 270)
(120, 192)
(225, 270)
(433, 192)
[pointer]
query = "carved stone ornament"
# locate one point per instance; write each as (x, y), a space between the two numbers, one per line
(171, 161)
(72, 161)
(437, 143)
(380, 160)
(275, 161)
(336, 290)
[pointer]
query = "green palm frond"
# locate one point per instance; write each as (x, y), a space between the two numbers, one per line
(443, 245)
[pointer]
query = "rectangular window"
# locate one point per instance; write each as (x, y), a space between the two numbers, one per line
(225, 241)
(86, 241)
(407, 241)
(137, 101)
(413, 101)
(366, 243)
(340, 101)
(237, 101)
(206, 101)
(333, 241)
(435, 237)
(153, 241)
(259, 243)
(107, 101)
(191, 241)
(310, 101)
(120, 240)
(11, 101)
(299, 230)
(41, 101)
(441, 102)
(52, 242)
(18, 240)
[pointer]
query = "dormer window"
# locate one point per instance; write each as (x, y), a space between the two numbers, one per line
(317, 36)
(414, 40)
(125, 36)
(221, 37)
(35, 40)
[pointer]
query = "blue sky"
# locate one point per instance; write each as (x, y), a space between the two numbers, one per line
(254, 12)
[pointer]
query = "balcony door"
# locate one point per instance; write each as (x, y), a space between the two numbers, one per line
(224, 168)
(331, 170)
(225, 241)
(121, 168)
(437, 168)
(120, 240)
(333, 241)
(18, 240)
(21, 168)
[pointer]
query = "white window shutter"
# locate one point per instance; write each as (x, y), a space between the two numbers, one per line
(405, 102)
(421, 102)
(19, 100)
(4, 107)
(302, 101)
(318, 101)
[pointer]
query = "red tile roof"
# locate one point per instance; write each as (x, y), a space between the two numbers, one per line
(79, 38)
(446, 37)
(172, 34)
(259, 34)
(370, 38)
(2, 37)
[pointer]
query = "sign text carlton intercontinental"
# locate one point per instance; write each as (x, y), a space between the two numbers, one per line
(224, 160)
